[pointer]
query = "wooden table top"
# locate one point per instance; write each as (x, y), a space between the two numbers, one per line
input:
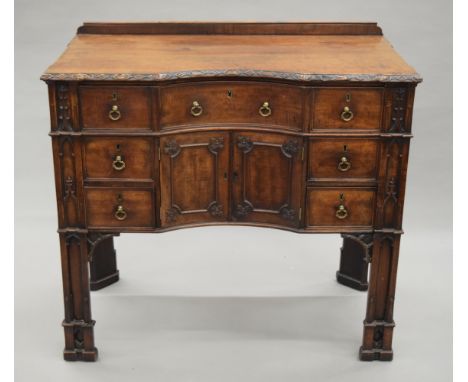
(120, 53)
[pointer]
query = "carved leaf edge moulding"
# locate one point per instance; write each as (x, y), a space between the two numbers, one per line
(231, 73)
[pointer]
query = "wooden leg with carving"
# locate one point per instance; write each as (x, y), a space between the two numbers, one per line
(354, 261)
(103, 262)
(379, 324)
(78, 325)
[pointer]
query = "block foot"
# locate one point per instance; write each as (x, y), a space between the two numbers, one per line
(80, 355)
(105, 281)
(375, 355)
(351, 282)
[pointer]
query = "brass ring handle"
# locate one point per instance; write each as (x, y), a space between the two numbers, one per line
(344, 164)
(347, 115)
(265, 109)
(120, 213)
(118, 163)
(114, 113)
(196, 110)
(341, 212)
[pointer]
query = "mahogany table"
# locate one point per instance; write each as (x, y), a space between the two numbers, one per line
(298, 126)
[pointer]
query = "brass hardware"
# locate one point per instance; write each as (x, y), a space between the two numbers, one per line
(265, 109)
(341, 212)
(196, 110)
(114, 113)
(302, 153)
(118, 163)
(120, 213)
(348, 97)
(347, 114)
(114, 96)
(344, 164)
(229, 93)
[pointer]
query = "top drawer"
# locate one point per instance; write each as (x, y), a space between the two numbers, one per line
(348, 108)
(253, 103)
(113, 107)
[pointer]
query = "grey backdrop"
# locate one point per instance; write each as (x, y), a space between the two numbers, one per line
(267, 308)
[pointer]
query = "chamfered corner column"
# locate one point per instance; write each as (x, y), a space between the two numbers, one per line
(75, 249)
(78, 325)
(390, 196)
(379, 324)
(103, 261)
(354, 261)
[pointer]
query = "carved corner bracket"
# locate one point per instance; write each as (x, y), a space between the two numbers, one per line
(172, 148)
(243, 209)
(290, 148)
(287, 213)
(171, 214)
(245, 144)
(216, 209)
(215, 145)
(366, 240)
(94, 239)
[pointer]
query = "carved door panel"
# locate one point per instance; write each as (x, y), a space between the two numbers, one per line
(267, 180)
(194, 178)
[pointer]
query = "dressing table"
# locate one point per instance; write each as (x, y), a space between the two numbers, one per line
(303, 127)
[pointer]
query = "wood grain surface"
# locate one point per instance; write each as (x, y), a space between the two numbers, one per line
(160, 57)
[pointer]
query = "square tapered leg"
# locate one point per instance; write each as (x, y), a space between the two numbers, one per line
(78, 324)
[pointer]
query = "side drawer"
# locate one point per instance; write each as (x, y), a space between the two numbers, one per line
(118, 158)
(119, 207)
(226, 102)
(342, 158)
(348, 108)
(115, 107)
(340, 207)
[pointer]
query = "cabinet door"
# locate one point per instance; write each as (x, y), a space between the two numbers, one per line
(194, 173)
(267, 178)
